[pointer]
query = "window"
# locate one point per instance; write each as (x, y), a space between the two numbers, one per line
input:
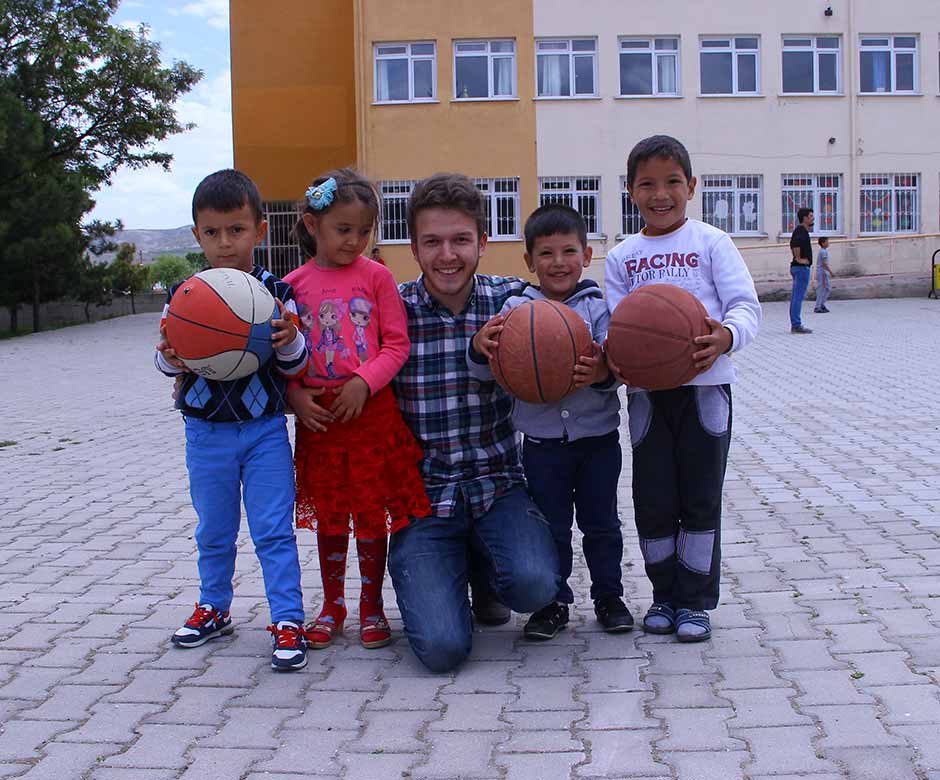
(888, 64)
(732, 203)
(582, 193)
(821, 192)
(631, 221)
(502, 206)
(405, 72)
(393, 226)
(811, 65)
(279, 252)
(566, 68)
(889, 203)
(484, 69)
(729, 66)
(649, 66)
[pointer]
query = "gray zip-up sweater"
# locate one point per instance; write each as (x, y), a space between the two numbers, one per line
(590, 411)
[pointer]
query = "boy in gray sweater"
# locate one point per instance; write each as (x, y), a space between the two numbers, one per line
(571, 453)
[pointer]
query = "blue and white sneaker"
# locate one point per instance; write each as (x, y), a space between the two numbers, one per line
(204, 624)
(290, 646)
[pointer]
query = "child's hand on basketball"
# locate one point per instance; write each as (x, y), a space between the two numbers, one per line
(284, 329)
(308, 411)
(591, 369)
(169, 354)
(486, 339)
(352, 397)
(714, 345)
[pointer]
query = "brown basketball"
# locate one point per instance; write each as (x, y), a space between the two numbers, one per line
(650, 336)
(539, 346)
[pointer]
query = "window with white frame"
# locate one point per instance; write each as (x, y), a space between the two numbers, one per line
(393, 226)
(889, 203)
(582, 193)
(732, 203)
(279, 252)
(502, 206)
(484, 69)
(730, 66)
(405, 72)
(649, 66)
(566, 68)
(631, 221)
(821, 192)
(888, 64)
(811, 65)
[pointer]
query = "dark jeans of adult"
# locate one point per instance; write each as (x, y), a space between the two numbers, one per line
(427, 562)
(800, 274)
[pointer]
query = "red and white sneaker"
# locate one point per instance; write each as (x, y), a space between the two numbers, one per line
(204, 624)
(290, 646)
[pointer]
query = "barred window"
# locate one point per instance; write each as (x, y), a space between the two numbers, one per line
(502, 206)
(631, 219)
(582, 193)
(732, 203)
(279, 252)
(889, 203)
(821, 192)
(393, 226)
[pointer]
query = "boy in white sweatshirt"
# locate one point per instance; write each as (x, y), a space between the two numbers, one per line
(680, 437)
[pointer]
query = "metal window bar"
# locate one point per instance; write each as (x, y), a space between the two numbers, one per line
(631, 221)
(279, 252)
(579, 192)
(820, 192)
(889, 203)
(393, 226)
(502, 206)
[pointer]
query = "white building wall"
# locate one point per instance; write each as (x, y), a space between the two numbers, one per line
(771, 134)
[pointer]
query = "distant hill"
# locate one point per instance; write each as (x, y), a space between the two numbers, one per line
(153, 243)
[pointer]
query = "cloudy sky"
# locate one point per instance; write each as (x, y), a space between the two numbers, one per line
(197, 32)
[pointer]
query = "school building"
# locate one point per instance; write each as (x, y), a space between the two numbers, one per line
(833, 105)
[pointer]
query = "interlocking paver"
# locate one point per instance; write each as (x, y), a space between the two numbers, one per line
(829, 622)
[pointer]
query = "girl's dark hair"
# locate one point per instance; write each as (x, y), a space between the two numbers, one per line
(663, 147)
(350, 186)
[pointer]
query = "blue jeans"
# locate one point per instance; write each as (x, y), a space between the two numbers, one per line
(226, 460)
(427, 561)
(800, 276)
(564, 476)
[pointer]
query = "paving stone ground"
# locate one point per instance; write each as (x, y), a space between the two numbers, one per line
(825, 661)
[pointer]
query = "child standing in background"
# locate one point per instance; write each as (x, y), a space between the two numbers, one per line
(823, 277)
(355, 458)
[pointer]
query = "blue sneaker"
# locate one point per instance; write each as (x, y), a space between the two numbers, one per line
(290, 646)
(204, 624)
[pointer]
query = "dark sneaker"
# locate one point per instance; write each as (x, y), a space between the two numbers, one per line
(613, 615)
(547, 622)
(204, 624)
(490, 611)
(290, 646)
(693, 625)
(800, 329)
(659, 619)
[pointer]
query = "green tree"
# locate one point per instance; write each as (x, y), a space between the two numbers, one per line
(129, 277)
(79, 98)
(167, 270)
(198, 260)
(93, 287)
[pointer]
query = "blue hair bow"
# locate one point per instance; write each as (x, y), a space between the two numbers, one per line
(322, 195)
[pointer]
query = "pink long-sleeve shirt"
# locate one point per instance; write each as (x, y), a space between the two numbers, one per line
(353, 321)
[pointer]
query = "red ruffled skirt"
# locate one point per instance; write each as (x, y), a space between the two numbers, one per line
(364, 471)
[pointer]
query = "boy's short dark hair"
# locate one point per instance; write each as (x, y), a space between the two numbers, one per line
(663, 147)
(553, 219)
(227, 190)
(823, 240)
(803, 213)
(447, 191)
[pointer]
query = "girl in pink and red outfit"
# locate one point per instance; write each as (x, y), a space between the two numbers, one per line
(356, 461)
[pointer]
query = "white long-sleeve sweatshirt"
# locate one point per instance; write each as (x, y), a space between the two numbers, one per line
(703, 260)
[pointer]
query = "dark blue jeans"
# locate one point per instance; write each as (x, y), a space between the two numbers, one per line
(800, 284)
(580, 475)
(427, 561)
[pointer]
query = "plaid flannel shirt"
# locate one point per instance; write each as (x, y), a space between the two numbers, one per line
(463, 425)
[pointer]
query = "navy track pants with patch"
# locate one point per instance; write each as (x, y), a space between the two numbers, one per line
(680, 444)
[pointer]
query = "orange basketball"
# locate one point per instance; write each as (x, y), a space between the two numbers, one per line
(219, 323)
(650, 337)
(539, 347)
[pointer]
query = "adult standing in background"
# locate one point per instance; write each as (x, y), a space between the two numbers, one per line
(801, 249)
